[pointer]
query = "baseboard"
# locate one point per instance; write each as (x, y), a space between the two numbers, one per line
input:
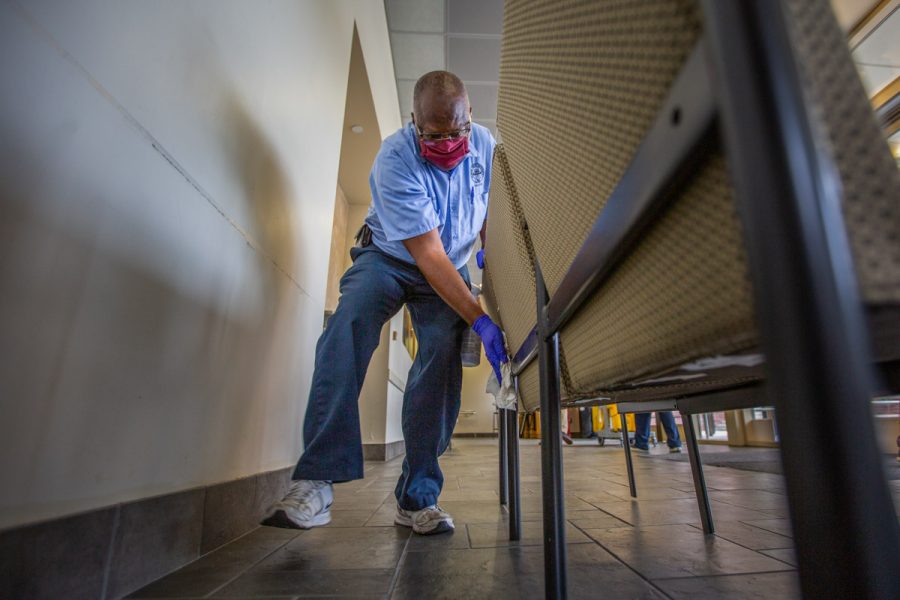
(384, 452)
(113, 551)
(492, 434)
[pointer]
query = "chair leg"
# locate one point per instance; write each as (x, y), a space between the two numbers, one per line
(700, 490)
(551, 472)
(512, 453)
(504, 472)
(632, 486)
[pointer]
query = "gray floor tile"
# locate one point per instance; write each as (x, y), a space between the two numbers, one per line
(761, 586)
(328, 548)
(595, 520)
(755, 499)
(475, 561)
(651, 493)
(358, 500)
(383, 516)
(684, 510)
(481, 495)
(478, 483)
(456, 539)
(779, 526)
(663, 551)
(350, 518)
(786, 555)
(492, 536)
(514, 573)
(381, 485)
(481, 511)
(535, 504)
(356, 582)
(750, 536)
(610, 495)
(217, 568)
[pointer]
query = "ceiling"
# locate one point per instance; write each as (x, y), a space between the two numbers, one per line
(875, 44)
(461, 36)
(358, 150)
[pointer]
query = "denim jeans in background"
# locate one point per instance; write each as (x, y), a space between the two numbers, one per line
(642, 429)
(372, 291)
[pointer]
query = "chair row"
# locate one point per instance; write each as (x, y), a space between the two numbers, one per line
(693, 208)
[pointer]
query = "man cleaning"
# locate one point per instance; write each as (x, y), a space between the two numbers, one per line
(429, 188)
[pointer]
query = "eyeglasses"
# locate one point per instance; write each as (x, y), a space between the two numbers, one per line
(449, 135)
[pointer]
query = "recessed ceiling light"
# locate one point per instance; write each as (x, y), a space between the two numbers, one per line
(357, 129)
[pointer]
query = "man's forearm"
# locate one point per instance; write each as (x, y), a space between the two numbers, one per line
(434, 264)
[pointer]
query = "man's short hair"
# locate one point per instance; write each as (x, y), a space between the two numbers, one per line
(436, 85)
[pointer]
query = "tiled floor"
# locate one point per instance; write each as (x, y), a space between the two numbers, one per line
(617, 547)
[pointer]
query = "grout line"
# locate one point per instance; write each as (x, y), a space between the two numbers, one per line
(718, 575)
(794, 567)
(616, 556)
(627, 524)
(154, 143)
(254, 563)
(110, 552)
(724, 539)
(396, 575)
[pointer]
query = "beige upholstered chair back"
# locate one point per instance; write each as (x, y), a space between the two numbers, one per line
(580, 84)
(509, 264)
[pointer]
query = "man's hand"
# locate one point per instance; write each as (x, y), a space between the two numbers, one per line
(492, 338)
(479, 258)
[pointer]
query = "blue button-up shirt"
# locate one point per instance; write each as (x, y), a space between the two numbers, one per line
(410, 196)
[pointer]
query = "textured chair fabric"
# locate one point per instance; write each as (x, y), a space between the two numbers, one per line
(580, 84)
(529, 388)
(509, 257)
(489, 298)
(509, 272)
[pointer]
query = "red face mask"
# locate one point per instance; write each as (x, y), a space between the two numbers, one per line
(445, 154)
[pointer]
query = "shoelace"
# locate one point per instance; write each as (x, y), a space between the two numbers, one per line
(435, 510)
(304, 493)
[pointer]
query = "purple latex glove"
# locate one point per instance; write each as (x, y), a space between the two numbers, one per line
(479, 258)
(492, 338)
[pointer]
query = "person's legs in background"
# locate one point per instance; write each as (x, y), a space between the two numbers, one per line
(642, 431)
(673, 439)
(586, 422)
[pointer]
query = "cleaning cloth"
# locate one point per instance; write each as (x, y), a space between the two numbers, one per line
(505, 394)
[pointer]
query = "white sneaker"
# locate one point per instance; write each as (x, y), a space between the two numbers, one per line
(428, 521)
(675, 450)
(307, 504)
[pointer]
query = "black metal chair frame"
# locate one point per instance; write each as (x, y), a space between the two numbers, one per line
(810, 318)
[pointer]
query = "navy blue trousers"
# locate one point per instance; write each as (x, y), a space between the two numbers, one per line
(642, 429)
(372, 291)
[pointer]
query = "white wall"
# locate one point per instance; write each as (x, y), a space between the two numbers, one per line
(381, 398)
(167, 177)
(337, 255)
(474, 399)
